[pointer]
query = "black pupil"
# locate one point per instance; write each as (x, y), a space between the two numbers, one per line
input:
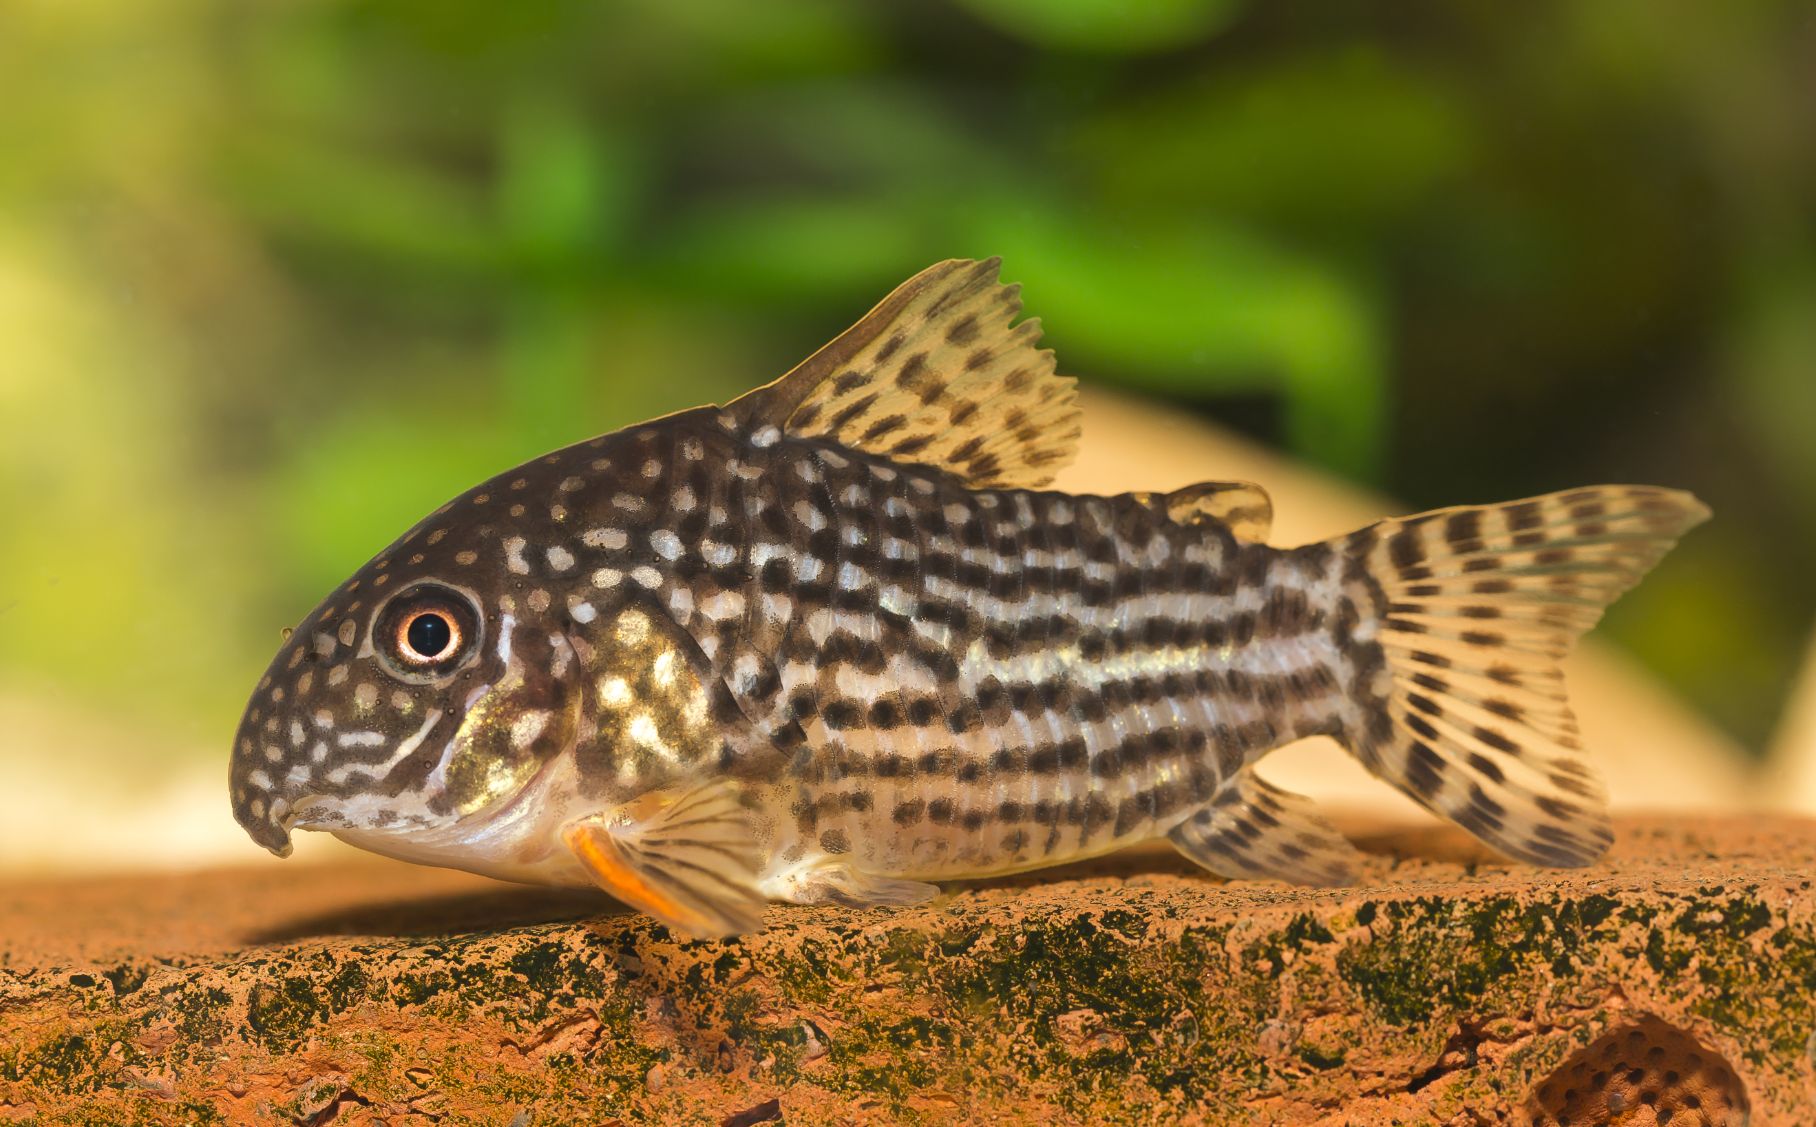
(429, 634)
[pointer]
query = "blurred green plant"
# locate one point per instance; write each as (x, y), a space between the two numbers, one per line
(1111, 27)
(276, 278)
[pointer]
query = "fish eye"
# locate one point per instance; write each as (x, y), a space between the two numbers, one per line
(426, 632)
(429, 635)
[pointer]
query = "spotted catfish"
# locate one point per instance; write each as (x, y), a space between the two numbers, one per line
(834, 641)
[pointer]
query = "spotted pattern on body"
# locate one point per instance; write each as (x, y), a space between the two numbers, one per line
(835, 640)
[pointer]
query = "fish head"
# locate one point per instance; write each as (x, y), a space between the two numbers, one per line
(424, 694)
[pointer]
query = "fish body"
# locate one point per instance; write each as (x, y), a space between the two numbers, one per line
(834, 641)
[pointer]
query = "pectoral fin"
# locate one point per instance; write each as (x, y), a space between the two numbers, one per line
(687, 856)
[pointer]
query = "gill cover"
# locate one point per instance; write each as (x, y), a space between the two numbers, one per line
(666, 743)
(526, 717)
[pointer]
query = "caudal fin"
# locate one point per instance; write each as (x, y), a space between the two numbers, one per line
(1476, 608)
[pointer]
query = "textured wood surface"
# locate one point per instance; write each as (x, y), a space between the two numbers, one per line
(1447, 988)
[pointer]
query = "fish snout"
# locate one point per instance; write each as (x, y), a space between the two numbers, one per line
(271, 830)
(266, 819)
(263, 800)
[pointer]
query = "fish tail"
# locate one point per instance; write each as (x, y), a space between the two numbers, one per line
(1460, 619)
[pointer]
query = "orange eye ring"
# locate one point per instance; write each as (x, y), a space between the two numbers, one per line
(426, 636)
(427, 632)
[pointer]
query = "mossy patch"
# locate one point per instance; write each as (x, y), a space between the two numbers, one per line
(87, 1059)
(1435, 956)
(1092, 1002)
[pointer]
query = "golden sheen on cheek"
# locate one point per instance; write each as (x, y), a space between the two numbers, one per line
(653, 715)
(503, 741)
(486, 766)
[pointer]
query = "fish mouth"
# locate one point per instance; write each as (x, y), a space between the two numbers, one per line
(272, 831)
(498, 840)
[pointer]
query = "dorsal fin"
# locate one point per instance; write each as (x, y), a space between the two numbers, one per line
(1242, 505)
(936, 374)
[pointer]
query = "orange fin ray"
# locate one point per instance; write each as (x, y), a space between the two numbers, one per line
(687, 856)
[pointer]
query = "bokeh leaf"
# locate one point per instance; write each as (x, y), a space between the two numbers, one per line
(1344, 140)
(1191, 307)
(1114, 27)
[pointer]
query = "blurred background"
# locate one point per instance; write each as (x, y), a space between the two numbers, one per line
(277, 277)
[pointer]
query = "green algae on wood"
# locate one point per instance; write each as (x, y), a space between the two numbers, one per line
(1115, 995)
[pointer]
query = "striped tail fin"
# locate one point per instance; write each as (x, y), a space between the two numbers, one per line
(1475, 608)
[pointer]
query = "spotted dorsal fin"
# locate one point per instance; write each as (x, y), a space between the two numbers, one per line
(1242, 505)
(939, 374)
